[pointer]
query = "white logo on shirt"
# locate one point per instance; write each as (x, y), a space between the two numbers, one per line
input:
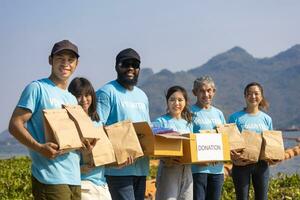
(55, 102)
(133, 105)
(256, 126)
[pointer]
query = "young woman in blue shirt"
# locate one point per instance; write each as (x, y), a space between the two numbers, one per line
(174, 180)
(93, 182)
(252, 118)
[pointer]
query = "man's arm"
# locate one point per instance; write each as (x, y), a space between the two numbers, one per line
(17, 128)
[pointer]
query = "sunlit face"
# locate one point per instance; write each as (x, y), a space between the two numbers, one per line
(63, 64)
(176, 104)
(205, 94)
(85, 101)
(253, 96)
(128, 72)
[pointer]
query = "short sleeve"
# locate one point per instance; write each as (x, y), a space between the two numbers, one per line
(232, 119)
(30, 97)
(103, 106)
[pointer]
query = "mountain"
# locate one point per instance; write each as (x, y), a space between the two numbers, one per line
(232, 71)
(10, 146)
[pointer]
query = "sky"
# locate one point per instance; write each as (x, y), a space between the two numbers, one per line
(168, 34)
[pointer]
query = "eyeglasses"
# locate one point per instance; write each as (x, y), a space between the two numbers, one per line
(127, 64)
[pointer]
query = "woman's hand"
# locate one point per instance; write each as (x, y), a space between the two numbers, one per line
(235, 155)
(89, 144)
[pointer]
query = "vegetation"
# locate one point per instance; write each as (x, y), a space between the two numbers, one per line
(282, 187)
(15, 182)
(15, 179)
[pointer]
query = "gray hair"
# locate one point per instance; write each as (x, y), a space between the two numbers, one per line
(204, 80)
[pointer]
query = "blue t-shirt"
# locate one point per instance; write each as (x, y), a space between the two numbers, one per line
(37, 96)
(207, 119)
(179, 125)
(115, 103)
(254, 122)
(96, 175)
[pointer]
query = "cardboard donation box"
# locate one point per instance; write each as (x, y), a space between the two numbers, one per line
(83, 122)
(205, 147)
(251, 153)
(124, 141)
(236, 141)
(60, 129)
(102, 153)
(272, 146)
(159, 145)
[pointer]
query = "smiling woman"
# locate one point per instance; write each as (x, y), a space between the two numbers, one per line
(254, 119)
(174, 180)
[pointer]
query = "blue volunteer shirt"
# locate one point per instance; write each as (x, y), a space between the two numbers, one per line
(115, 103)
(207, 119)
(96, 175)
(179, 125)
(254, 122)
(37, 96)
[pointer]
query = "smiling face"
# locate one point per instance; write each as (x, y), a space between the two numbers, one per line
(176, 104)
(205, 94)
(128, 72)
(85, 101)
(63, 64)
(253, 96)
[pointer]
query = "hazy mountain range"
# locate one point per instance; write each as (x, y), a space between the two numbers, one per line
(232, 71)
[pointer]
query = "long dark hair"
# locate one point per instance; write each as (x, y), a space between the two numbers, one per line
(264, 104)
(186, 113)
(81, 86)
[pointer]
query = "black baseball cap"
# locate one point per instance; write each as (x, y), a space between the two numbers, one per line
(126, 54)
(64, 45)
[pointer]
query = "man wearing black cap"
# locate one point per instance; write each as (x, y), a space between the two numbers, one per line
(54, 175)
(121, 100)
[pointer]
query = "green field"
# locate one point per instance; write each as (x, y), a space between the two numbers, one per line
(15, 182)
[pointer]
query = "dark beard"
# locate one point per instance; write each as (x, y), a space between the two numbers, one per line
(125, 81)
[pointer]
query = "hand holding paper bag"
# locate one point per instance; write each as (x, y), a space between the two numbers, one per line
(60, 129)
(124, 141)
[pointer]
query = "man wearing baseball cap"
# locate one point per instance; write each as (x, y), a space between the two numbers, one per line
(54, 175)
(121, 100)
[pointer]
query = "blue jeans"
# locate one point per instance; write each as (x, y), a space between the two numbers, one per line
(126, 187)
(242, 175)
(207, 186)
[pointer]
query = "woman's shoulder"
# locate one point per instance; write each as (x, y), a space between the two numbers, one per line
(265, 115)
(164, 117)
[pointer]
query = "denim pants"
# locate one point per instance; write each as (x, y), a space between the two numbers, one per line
(127, 187)
(207, 186)
(259, 174)
(174, 182)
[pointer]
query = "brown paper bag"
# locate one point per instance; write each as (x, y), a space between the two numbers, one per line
(60, 129)
(102, 153)
(236, 141)
(251, 152)
(83, 122)
(124, 140)
(272, 147)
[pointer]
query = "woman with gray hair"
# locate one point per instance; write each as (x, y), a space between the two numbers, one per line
(207, 178)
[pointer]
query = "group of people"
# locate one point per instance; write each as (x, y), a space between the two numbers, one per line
(57, 175)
